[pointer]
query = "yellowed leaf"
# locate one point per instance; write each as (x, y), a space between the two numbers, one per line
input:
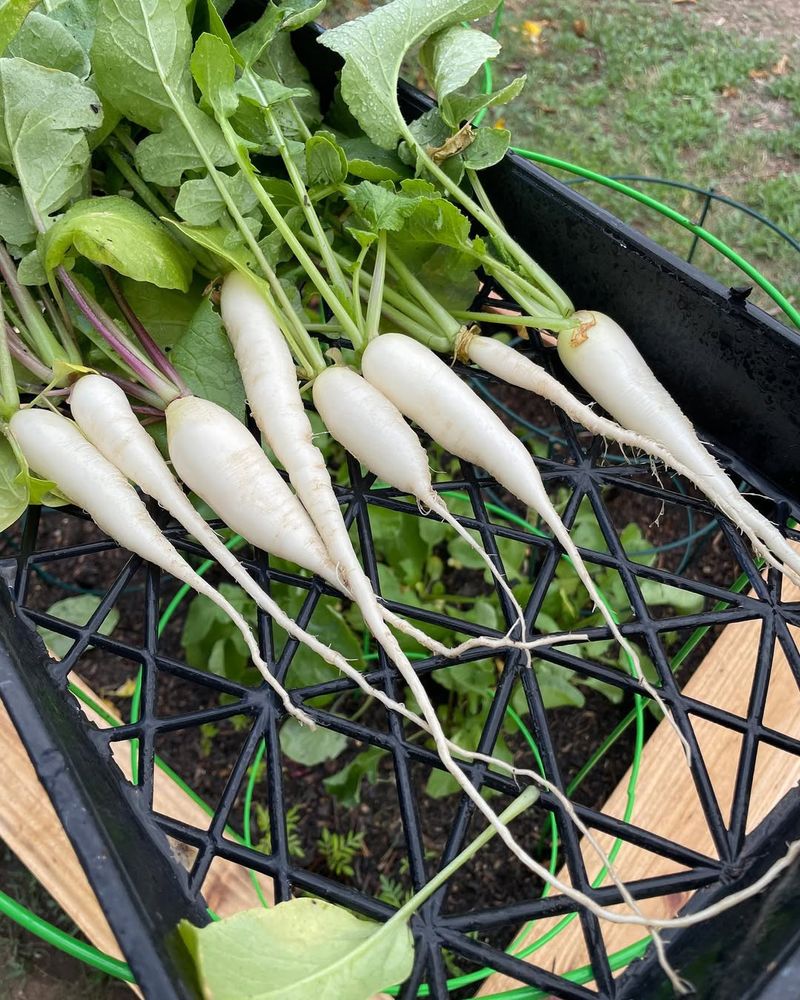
(532, 30)
(730, 91)
(758, 74)
(454, 145)
(781, 67)
(500, 123)
(580, 27)
(126, 690)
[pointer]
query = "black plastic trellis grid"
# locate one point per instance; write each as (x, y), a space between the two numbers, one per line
(739, 357)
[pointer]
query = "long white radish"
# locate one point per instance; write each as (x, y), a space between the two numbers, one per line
(431, 394)
(57, 450)
(236, 469)
(104, 415)
(372, 429)
(604, 360)
(511, 366)
(270, 382)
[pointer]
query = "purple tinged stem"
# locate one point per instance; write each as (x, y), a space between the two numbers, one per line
(151, 348)
(21, 353)
(153, 380)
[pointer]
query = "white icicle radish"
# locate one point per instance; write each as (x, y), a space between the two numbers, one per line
(604, 360)
(57, 450)
(270, 383)
(511, 366)
(373, 430)
(431, 394)
(220, 460)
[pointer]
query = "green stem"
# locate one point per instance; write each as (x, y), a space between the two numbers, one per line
(483, 197)
(357, 270)
(534, 272)
(139, 187)
(8, 381)
(328, 294)
(439, 314)
(44, 343)
(541, 322)
(63, 327)
(398, 308)
(326, 251)
(519, 805)
(419, 331)
(375, 300)
(523, 292)
(304, 348)
(302, 128)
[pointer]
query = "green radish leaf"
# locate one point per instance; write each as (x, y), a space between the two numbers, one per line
(283, 16)
(216, 240)
(165, 312)
(217, 27)
(488, 147)
(296, 13)
(346, 784)
(140, 56)
(326, 162)
(274, 246)
(380, 207)
(308, 747)
(16, 226)
(45, 41)
(431, 132)
(205, 359)
(13, 494)
(556, 685)
(265, 93)
(450, 58)
(120, 233)
(12, 16)
(662, 594)
(373, 47)
(214, 72)
(79, 18)
(434, 222)
(45, 116)
(41, 491)
(370, 162)
(279, 62)
(458, 108)
(163, 158)
(30, 269)
(352, 959)
(77, 611)
(200, 203)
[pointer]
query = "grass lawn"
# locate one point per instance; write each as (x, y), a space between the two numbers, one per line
(663, 89)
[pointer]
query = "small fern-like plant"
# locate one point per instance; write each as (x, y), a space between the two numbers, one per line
(293, 839)
(339, 850)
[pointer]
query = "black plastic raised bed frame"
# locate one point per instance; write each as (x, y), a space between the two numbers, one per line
(736, 371)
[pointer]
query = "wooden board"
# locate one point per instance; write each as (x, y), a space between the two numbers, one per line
(31, 828)
(666, 800)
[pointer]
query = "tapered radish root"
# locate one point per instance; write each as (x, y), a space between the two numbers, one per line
(509, 365)
(57, 450)
(271, 385)
(603, 359)
(372, 429)
(427, 391)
